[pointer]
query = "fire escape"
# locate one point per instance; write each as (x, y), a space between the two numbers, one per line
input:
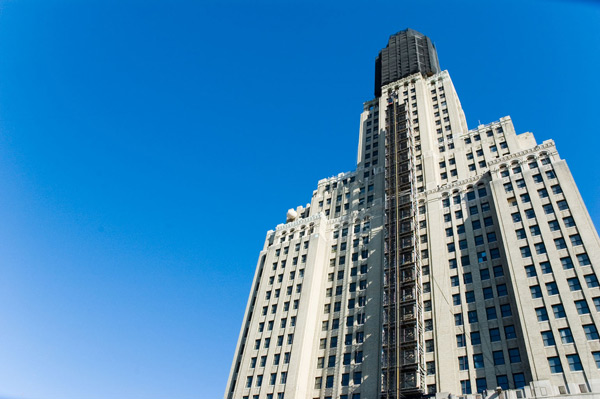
(403, 371)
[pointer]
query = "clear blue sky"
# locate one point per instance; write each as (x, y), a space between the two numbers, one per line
(146, 147)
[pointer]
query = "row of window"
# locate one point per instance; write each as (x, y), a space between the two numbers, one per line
(267, 341)
(540, 247)
(335, 323)
(280, 395)
(346, 359)
(292, 276)
(543, 193)
(344, 381)
(358, 337)
(501, 381)
(566, 337)
(282, 324)
(262, 362)
(272, 379)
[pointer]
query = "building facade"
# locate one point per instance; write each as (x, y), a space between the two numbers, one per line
(450, 262)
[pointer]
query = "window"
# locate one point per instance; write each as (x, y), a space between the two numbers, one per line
(478, 240)
(566, 263)
(502, 381)
(505, 310)
(358, 357)
(591, 332)
(454, 282)
(429, 346)
(458, 319)
(565, 336)
(537, 178)
(529, 213)
(509, 332)
(536, 291)
(574, 362)
(428, 325)
(465, 260)
(582, 307)
(481, 256)
(542, 314)
(465, 386)
(480, 384)
(576, 239)
(357, 377)
(516, 217)
(514, 355)
(498, 271)
(525, 252)
(475, 338)
(554, 226)
(329, 382)
(550, 174)
(463, 363)
(591, 280)
(430, 368)
(521, 234)
(498, 358)
(453, 264)
(456, 299)
(530, 271)
(559, 311)
(345, 380)
(491, 237)
(552, 288)
(360, 337)
(467, 278)
(546, 268)
(491, 313)
(574, 284)
(548, 338)
(548, 209)
(331, 361)
(484, 274)
(543, 193)
(583, 260)
(478, 361)
(472, 316)
(495, 335)
(460, 341)
(488, 293)
(318, 382)
(501, 290)
(569, 221)
(469, 296)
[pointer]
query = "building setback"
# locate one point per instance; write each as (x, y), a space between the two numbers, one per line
(451, 261)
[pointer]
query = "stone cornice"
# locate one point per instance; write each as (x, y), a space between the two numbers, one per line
(543, 146)
(452, 185)
(299, 222)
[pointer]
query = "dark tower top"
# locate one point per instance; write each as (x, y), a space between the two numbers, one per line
(407, 52)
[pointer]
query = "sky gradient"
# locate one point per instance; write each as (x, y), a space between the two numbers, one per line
(146, 147)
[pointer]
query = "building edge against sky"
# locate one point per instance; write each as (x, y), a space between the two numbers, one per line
(451, 261)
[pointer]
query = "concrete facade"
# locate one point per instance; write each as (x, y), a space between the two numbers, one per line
(451, 262)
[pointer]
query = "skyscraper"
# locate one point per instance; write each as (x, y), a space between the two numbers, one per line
(451, 261)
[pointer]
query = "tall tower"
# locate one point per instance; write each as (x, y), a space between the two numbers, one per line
(451, 261)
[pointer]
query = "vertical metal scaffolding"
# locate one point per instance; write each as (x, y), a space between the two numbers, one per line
(403, 368)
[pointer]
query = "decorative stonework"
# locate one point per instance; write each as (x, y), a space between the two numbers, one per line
(545, 145)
